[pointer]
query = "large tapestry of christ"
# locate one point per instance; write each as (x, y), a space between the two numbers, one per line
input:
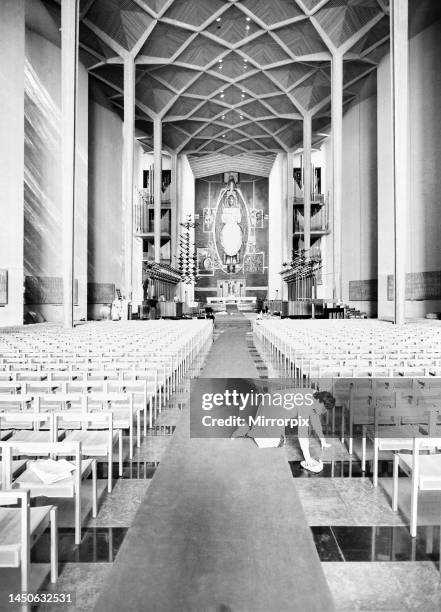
(231, 241)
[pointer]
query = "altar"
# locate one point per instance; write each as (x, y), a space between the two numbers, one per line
(231, 300)
(246, 304)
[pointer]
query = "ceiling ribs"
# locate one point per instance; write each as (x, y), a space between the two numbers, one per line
(258, 54)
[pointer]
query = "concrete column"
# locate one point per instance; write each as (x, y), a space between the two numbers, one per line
(69, 82)
(284, 208)
(12, 60)
(128, 165)
(307, 178)
(157, 156)
(337, 174)
(400, 121)
(180, 188)
(290, 204)
(174, 208)
(284, 219)
(275, 226)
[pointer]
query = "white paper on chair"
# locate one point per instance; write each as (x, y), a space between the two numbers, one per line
(50, 471)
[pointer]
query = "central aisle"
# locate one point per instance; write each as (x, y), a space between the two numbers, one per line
(221, 528)
(229, 356)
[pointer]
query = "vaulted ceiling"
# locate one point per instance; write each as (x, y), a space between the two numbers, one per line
(231, 77)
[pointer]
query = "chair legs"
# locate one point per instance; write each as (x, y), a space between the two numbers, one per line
(363, 450)
(94, 491)
(351, 433)
(130, 439)
(54, 544)
(414, 506)
(138, 428)
(145, 416)
(395, 484)
(375, 463)
(342, 439)
(413, 499)
(77, 516)
(25, 567)
(120, 452)
(110, 461)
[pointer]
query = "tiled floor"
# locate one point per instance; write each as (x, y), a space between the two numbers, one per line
(385, 587)
(84, 580)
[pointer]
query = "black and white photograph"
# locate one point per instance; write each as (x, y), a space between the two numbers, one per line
(220, 305)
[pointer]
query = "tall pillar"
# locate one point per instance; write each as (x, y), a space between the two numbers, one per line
(174, 208)
(157, 155)
(69, 79)
(284, 208)
(337, 174)
(290, 203)
(284, 219)
(307, 178)
(128, 165)
(180, 192)
(12, 65)
(400, 108)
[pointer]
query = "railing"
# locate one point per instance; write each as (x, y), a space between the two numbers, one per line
(305, 269)
(319, 221)
(316, 198)
(144, 215)
(150, 259)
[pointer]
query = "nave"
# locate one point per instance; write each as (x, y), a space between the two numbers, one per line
(206, 199)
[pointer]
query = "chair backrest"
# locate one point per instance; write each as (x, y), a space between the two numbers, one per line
(21, 498)
(400, 410)
(85, 385)
(100, 375)
(17, 399)
(58, 398)
(25, 419)
(13, 497)
(106, 400)
(39, 449)
(9, 386)
(88, 420)
(34, 387)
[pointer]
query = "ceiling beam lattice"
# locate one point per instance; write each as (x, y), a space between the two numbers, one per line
(239, 72)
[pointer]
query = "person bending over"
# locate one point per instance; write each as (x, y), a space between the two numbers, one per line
(276, 433)
(322, 401)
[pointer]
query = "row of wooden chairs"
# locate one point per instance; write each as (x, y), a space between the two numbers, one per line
(386, 382)
(70, 395)
(399, 416)
(351, 348)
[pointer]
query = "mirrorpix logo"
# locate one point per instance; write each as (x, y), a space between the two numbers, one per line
(220, 407)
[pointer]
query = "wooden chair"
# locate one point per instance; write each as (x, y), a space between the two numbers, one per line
(97, 436)
(69, 487)
(121, 404)
(20, 528)
(425, 472)
(137, 389)
(29, 426)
